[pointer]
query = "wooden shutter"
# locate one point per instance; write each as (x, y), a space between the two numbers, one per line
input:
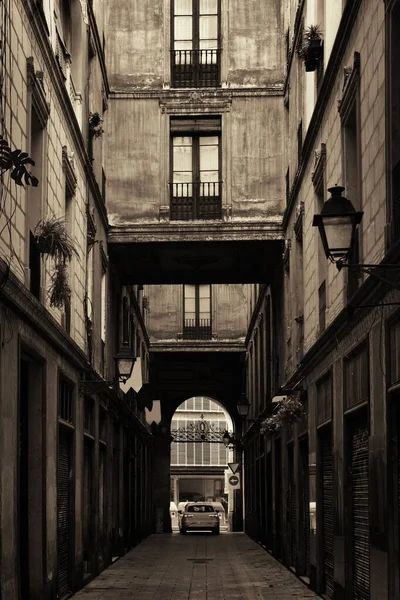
(63, 514)
(327, 511)
(292, 508)
(360, 501)
(304, 552)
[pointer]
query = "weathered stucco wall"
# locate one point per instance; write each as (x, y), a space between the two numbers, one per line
(229, 312)
(254, 42)
(139, 43)
(256, 155)
(133, 161)
(135, 42)
(138, 159)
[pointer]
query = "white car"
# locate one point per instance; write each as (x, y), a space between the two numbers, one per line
(199, 516)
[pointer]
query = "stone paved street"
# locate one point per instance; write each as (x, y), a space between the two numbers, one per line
(196, 567)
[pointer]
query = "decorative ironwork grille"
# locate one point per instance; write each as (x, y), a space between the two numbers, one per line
(200, 431)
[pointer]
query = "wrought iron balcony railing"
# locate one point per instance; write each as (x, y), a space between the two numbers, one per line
(196, 68)
(197, 329)
(195, 201)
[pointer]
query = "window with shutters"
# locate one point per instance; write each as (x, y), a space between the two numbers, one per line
(356, 378)
(197, 314)
(196, 52)
(65, 408)
(195, 184)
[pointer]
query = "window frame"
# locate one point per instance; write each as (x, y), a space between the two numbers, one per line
(195, 128)
(189, 330)
(196, 81)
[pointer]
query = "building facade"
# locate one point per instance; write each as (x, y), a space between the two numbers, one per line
(76, 454)
(325, 488)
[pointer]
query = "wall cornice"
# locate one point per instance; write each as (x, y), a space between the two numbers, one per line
(197, 346)
(183, 95)
(167, 232)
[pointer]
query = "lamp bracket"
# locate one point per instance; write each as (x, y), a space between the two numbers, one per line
(369, 269)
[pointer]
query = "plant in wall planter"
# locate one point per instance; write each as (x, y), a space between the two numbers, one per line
(53, 238)
(311, 48)
(95, 125)
(60, 291)
(289, 411)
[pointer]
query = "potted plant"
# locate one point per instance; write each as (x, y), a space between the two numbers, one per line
(95, 125)
(311, 48)
(53, 238)
(60, 291)
(289, 411)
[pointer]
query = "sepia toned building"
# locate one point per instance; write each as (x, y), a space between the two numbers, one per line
(164, 167)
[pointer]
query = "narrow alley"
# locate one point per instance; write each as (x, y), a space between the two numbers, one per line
(196, 567)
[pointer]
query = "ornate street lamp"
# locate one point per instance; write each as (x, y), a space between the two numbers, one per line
(243, 406)
(124, 362)
(337, 225)
(227, 439)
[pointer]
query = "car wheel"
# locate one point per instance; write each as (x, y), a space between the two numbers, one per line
(183, 531)
(216, 531)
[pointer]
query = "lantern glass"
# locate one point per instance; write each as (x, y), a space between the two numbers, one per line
(125, 367)
(226, 438)
(243, 406)
(339, 232)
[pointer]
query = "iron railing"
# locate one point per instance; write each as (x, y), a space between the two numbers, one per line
(195, 201)
(197, 329)
(196, 68)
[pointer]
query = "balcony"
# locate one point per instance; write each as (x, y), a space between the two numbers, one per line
(196, 68)
(195, 201)
(197, 329)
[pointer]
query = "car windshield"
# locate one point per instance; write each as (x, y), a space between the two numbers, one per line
(200, 508)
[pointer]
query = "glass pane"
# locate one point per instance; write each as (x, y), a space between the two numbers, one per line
(209, 176)
(183, 7)
(204, 291)
(208, 7)
(185, 57)
(210, 57)
(190, 291)
(182, 140)
(208, 158)
(209, 140)
(183, 28)
(182, 177)
(204, 309)
(182, 158)
(208, 28)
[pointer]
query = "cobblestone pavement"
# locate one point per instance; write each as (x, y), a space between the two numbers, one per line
(196, 567)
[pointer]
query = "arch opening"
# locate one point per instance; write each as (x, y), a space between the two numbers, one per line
(199, 459)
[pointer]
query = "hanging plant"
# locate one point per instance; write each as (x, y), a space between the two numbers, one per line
(289, 411)
(16, 161)
(53, 238)
(311, 47)
(95, 125)
(270, 425)
(60, 291)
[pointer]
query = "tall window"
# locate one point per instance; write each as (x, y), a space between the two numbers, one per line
(196, 187)
(197, 312)
(196, 48)
(349, 110)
